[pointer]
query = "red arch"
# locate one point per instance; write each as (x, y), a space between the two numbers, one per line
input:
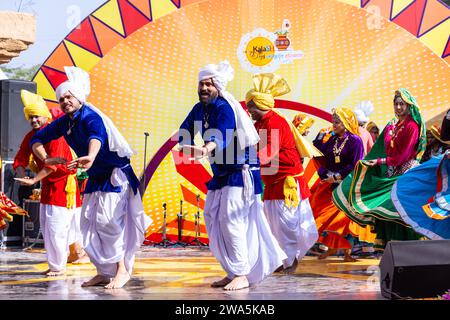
(301, 107)
(281, 104)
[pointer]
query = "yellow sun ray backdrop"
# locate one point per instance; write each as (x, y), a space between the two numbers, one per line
(144, 75)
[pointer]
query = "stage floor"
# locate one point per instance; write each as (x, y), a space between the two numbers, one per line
(172, 274)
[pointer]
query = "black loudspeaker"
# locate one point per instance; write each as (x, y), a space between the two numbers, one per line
(13, 125)
(32, 234)
(415, 269)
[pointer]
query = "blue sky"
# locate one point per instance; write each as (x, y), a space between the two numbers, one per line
(54, 20)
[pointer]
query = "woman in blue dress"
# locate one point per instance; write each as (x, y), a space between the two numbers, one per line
(422, 195)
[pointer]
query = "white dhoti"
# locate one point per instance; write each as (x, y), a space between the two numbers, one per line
(239, 235)
(75, 231)
(113, 226)
(294, 228)
(55, 224)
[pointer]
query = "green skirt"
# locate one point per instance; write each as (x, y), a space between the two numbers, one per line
(365, 197)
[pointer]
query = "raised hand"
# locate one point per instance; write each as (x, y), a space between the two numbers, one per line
(197, 152)
(329, 180)
(84, 163)
(55, 161)
(25, 181)
(371, 163)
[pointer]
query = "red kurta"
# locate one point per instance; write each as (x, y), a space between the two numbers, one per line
(53, 186)
(400, 141)
(284, 152)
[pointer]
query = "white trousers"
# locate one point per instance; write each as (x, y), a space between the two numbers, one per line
(75, 231)
(239, 235)
(113, 226)
(56, 223)
(294, 228)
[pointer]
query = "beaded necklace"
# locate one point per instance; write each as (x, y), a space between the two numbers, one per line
(395, 132)
(337, 151)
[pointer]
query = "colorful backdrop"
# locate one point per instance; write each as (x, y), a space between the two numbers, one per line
(143, 57)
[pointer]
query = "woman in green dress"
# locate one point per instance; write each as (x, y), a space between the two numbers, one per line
(365, 194)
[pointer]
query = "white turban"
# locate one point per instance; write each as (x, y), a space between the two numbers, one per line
(221, 74)
(363, 110)
(79, 85)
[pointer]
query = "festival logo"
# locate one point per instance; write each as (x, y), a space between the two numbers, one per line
(264, 51)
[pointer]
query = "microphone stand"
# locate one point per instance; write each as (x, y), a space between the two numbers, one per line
(165, 242)
(180, 226)
(146, 134)
(144, 182)
(196, 241)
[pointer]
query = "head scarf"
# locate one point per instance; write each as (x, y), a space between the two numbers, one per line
(266, 86)
(370, 125)
(436, 132)
(34, 105)
(79, 86)
(221, 74)
(348, 118)
(302, 122)
(414, 110)
(363, 110)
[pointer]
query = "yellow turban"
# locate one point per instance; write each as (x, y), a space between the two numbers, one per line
(348, 118)
(34, 105)
(302, 122)
(266, 86)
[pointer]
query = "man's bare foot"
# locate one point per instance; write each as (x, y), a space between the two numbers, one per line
(221, 283)
(82, 260)
(325, 255)
(46, 271)
(279, 269)
(292, 268)
(118, 281)
(239, 282)
(348, 258)
(55, 273)
(97, 280)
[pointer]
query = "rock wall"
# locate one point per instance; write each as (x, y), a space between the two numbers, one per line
(17, 32)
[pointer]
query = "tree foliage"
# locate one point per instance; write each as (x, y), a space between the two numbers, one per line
(20, 73)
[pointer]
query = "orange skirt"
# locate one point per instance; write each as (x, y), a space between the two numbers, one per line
(365, 234)
(333, 225)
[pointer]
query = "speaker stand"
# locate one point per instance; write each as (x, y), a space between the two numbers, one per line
(35, 240)
(2, 241)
